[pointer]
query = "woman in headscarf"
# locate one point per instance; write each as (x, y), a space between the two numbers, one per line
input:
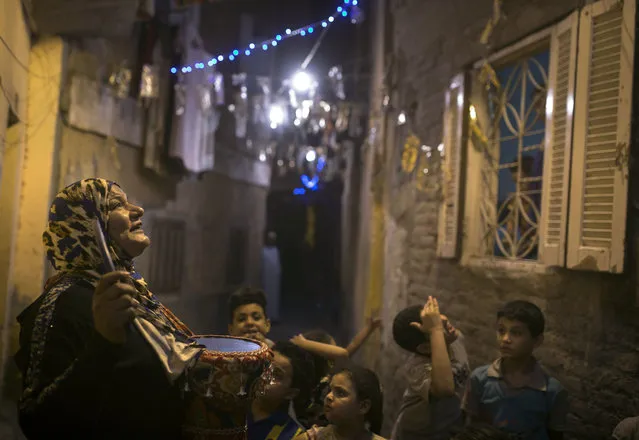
(98, 353)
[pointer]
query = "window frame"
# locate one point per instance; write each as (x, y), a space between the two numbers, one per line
(570, 73)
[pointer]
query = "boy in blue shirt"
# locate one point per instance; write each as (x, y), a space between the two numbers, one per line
(514, 393)
(269, 418)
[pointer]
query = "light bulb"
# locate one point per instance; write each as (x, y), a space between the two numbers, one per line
(331, 19)
(324, 24)
(340, 9)
(220, 58)
(274, 43)
(302, 81)
(264, 46)
(236, 52)
(211, 62)
(231, 57)
(344, 13)
(302, 33)
(278, 37)
(276, 115)
(311, 156)
(288, 32)
(247, 52)
(310, 30)
(262, 157)
(251, 46)
(173, 70)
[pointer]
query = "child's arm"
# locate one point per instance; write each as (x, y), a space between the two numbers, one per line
(442, 381)
(361, 337)
(327, 351)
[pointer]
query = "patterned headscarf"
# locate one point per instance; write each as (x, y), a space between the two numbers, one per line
(69, 239)
(72, 247)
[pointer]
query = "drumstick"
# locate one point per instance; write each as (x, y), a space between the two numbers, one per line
(102, 246)
(106, 256)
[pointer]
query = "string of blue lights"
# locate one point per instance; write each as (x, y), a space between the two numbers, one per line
(341, 11)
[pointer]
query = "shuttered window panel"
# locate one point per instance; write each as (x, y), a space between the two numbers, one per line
(599, 186)
(558, 141)
(449, 216)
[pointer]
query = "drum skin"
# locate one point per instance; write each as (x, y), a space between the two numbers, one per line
(218, 389)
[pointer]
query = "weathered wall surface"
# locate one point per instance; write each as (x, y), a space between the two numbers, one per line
(219, 209)
(592, 326)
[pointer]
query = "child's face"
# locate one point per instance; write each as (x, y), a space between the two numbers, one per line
(250, 321)
(341, 403)
(515, 340)
(280, 389)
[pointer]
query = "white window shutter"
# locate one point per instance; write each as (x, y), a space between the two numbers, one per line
(449, 218)
(599, 186)
(558, 142)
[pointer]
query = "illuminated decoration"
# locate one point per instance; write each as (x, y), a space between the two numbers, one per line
(409, 155)
(310, 183)
(276, 116)
(311, 155)
(302, 81)
(234, 54)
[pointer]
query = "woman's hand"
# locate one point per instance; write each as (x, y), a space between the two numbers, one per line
(114, 306)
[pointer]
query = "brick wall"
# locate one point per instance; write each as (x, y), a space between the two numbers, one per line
(592, 335)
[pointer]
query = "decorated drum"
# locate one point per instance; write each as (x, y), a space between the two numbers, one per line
(219, 387)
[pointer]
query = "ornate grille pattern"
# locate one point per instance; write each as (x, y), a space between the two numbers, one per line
(517, 107)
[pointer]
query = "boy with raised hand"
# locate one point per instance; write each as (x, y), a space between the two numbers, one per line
(436, 374)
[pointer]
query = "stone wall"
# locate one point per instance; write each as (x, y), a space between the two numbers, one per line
(592, 336)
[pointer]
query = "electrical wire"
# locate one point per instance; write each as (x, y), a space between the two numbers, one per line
(20, 62)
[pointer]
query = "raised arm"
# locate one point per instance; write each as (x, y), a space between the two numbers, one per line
(442, 381)
(327, 351)
(361, 337)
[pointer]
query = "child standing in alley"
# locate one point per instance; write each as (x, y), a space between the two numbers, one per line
(436, 374)
(247, 310)
(514, 393)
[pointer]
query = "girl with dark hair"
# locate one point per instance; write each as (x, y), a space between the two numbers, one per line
(326, 352)
(353, 407)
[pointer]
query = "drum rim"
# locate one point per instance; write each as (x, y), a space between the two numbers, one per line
(263, 348)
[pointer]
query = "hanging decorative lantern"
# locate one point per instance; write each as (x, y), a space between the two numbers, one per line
(410, 153)
(206, 101)
(120, 81)
(241, 105)
(216, 79)
(337, 81)
(150, 82)
(180, 99)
